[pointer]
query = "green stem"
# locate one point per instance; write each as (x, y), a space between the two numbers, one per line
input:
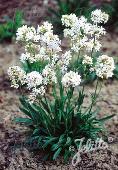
(80, 108)
(94, 97)
(47, 127)
(69, 96)
(93, 48)
(78, 59)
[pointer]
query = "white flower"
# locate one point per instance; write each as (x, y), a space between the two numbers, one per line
(87, 60)
(39, 91)
(104, 66)
(92, 44)
(82, 24)
(83, 34)
(45, 27)
(54, 45)
(36, 92)
(43, 54)
(98, 16)
(69, 20)
(82, 42)
(36, 37)
(51, 41)
(35, 57)
(92, 69)
(25, 33)
(64, 61)
(34, 79)
(24, 57)
(96, 31)
(17, 76)
(28, 56)
(49, 75)
(67, 32)
(30, 34)
(21, 32)
(32, 98)
(79, 43)
(97, 45)
(71, 79)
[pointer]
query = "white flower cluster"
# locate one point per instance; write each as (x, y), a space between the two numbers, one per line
(36, 92)
(104, 66)
(43, 49)
(27, 57)
(26, 33)
(98, 16)
(41, 56)
(49, 75)
(68, 21)
(17, 76)
(34, 79)
(87, 60)
(65, 61)
(45, 27)
(40, 43)
(82, 33)
(71, 79)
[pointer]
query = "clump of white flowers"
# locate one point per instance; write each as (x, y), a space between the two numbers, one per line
(104, 67)
(49, 75)
(98, 16)
(34, 79)
(36, 92)
(21, 32)
(17, 76)
(82, 33)
(71, 79)
(65, 61)
(87, 60)
(45, 27)
(44, 58)
(69, 20)
(26, 33)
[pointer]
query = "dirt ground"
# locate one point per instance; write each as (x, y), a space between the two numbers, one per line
(17, 158)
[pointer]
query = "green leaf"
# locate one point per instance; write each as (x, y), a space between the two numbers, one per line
(36, 131)
(32, 139)
(106, 118)
(47, 142)
(39, 140)
(55, 147)
(26, 121)
(66, 155)
(33, 113)
(57, 153)
(24, 110)
(68, 142)
(61, 139)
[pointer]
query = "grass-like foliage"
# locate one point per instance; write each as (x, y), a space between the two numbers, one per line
(52, 82)
(57, 123)
(9, 28)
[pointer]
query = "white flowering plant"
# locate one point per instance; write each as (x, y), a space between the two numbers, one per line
(52, 82)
